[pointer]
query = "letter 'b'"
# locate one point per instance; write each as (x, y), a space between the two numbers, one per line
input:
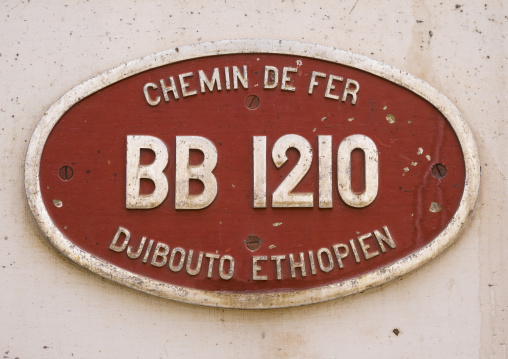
(136, 171)
(184, 172)
(202, 172)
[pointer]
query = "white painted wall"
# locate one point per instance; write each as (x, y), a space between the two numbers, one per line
(454, 307)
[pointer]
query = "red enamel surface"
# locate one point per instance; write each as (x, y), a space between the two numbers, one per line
(91, 138)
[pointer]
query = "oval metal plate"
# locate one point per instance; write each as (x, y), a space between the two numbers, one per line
(427, 163)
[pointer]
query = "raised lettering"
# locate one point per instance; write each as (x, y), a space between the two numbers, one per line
(348, 91)
(256, 268)
(322, 266)
(259, 144)
(313, 81)
(149, 100)
(118, 233)
(165, 89)
(387, 239)
(340, 256)
(271, 77)
(278, 260)
(197, 269)
(293, 265)
(161, 250)
(330, 86)
(349, 197)
(184, 84)
(365, 247)
(229, 274)
(212, 258)
(134, 255)
(285, 79)
(136, 171)
(179, 266)
(203, 80)
(203, 172)
(238, 77)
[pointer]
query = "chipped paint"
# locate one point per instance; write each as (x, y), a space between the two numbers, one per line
(435, 207)
(390, 118)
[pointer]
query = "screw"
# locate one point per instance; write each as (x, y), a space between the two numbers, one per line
(253, 242)
(439, 170)
(252, 102)
(66, 173)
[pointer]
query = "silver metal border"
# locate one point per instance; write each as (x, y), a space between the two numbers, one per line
(261, 300)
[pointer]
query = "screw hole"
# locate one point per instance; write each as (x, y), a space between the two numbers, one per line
(253, 242)
(66, 173)
(252, 102)
(439, 171)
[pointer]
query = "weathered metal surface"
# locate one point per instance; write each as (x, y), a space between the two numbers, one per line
(234, 245)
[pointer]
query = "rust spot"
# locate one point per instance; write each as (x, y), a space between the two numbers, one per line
(396, 332)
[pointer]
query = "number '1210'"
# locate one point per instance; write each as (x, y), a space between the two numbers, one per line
(283, 196)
